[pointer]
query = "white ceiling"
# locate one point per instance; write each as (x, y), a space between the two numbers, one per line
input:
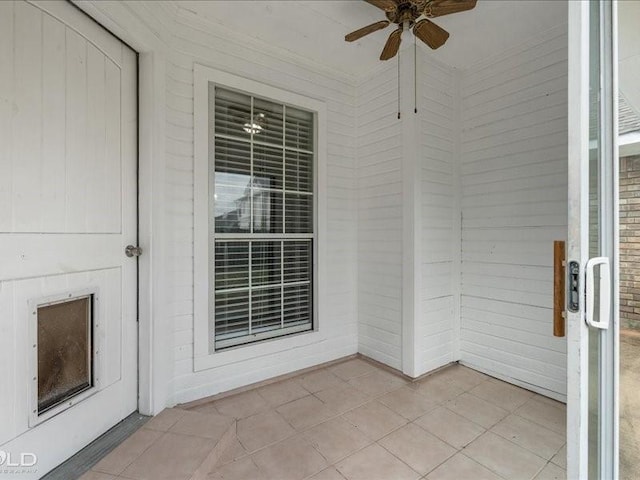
(315, 29)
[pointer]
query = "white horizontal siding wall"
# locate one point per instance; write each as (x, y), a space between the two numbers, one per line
(507, 168)
(439, 247)
(197, 42)
(388, 148)
(379, 149)
(514, 204)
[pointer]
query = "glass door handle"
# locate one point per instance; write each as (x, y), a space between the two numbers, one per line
(604, 292)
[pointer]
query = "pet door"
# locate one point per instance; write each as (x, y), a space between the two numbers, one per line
(65, 352)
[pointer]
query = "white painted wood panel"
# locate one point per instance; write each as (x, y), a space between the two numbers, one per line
(514, 204)
(53, 123)
(26, 143)
(96, 168)
(63, 121)
(77, 116)
(68, 177)
(6, 112)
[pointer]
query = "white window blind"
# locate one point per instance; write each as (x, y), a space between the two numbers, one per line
(262, 155)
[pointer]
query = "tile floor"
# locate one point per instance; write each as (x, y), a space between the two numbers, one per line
(352, 421)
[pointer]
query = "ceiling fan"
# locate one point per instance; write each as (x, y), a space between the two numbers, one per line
(405, 14)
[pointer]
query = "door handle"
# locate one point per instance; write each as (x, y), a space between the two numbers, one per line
(559, 288)
(604, 292)
(132, 251)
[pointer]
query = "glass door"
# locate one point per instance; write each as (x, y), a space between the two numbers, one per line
(592, 435)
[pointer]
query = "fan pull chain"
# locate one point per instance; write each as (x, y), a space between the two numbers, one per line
(398, 85)
(415, 76)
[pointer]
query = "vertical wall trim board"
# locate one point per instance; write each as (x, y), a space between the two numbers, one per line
(456, 244)
(411, 218)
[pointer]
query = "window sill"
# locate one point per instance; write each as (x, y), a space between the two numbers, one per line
(247, 352)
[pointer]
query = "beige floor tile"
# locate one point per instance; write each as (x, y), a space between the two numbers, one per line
(283, 392)
(262, 429)
(243, 469)
(477, 410)
(420, 450)
(125, 453)
(209, 407)
(171, 457)
(292, 459)
(460, 467)
(212, 461)
(550, 415)
(437, 389)
(552, 472)
(234, 452)
(407, 402)
(165, 419)
(463, 377)
(305, 412)
(208, 425)
(502, 394)
(328, 474)
(505, 458)
(341, 399)
(550, 401)
(374, 420)
(377, 383)
(267, 447)
(91, 475)
(242, 405)
(320, 380)
(454, 429)
(529, 435)
(560, 458)
(352, 368)
(375, 463)
(336, 439)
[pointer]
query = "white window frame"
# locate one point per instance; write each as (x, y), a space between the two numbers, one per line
(205, 357)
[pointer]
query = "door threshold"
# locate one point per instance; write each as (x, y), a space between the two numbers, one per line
(81, 462)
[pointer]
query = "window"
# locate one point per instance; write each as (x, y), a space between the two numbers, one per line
(261, 217)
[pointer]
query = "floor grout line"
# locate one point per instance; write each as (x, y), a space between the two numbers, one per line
(482, 465)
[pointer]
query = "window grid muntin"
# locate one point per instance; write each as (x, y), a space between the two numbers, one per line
(282, 236)
(282, 284)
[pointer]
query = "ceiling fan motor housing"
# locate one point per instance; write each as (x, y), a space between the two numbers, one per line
(405, 13)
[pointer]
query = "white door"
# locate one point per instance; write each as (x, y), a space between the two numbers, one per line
(592, 427)
(68, 187)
